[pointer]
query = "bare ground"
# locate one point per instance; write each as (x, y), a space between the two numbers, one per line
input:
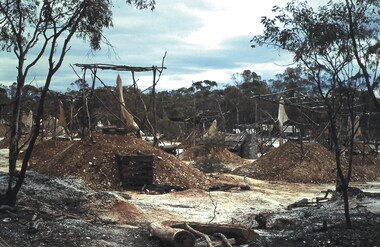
(79, 201)
(69, 213)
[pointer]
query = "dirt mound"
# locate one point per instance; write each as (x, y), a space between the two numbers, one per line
(313, 164)
(95, 162)
(223, 155)
(228, 157)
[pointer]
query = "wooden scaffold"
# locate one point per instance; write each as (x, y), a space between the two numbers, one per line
(128, 116)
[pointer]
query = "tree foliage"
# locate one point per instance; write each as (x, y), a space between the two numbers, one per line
(33, 30)
(334, 44)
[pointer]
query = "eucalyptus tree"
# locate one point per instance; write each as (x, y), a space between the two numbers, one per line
(336, 43)
(35, 30)
(231, 104)
(203, 97)
(238, 98)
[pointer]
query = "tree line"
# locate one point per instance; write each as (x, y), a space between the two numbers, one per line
(247, 101)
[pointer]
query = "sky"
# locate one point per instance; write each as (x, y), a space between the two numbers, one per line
(203, 40)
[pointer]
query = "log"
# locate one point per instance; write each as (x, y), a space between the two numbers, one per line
(227, 187)
(229, 230)
(174, 236)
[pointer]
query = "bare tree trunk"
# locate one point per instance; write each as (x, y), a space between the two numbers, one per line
(237, 114)
(301, 143)
(342, 182)
(89, 119)
(11, 195)
(155, 143)
(9, 198)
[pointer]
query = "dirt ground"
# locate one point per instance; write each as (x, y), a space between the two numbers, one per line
(74, 196)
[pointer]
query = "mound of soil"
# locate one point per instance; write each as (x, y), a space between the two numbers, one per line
(94, 162)
(223, 155)
(312, 163)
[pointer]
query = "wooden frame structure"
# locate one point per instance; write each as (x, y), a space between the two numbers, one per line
(156, 70)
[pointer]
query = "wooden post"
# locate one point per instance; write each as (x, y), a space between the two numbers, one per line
(155, 142)
(134, 88)
(88, 110)
(175, 236)
(83, 100)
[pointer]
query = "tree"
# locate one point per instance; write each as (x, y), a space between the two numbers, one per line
(334, 46)
(30, 95)
(293, 81)
(231, 104)
(203, 87)
(202, 92)
(363, 19)
(33, 30)
(252, 83)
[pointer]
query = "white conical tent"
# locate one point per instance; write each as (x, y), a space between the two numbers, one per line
(213, 130)
(126, 114)
(282, 116)
(27, 120)
(61, 118)
(356, 128)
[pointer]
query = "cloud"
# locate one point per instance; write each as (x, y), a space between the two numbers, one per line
(204, 40)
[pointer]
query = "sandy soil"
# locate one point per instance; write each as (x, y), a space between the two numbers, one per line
(230, 206)
(239, 206)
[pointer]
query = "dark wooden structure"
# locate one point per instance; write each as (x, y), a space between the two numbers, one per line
(135, 170)
(242, 144)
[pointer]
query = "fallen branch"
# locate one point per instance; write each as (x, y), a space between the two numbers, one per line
(200, 234)
(322, 199)
(301, 203)
(225, 241)
(34, 224)
(3, 243)
(215, 204)
(217, 243)
(7, 209)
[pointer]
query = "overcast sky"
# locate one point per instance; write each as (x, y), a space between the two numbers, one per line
(204, 40)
